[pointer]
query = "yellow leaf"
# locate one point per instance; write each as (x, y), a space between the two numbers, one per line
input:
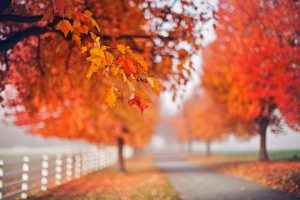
(121, 48)
(94, 23)
(110, 97)
(97, 42)
(95, 59)
(64, 26)
(154, 83)
(94, 36)
(150, 81)
(140, 60)
(97, 52)
(93, 68)
(109, 57)
(88, 12)
(114, 70)
(83, 49)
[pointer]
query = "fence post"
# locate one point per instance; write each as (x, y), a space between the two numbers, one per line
(1, 178)
(109, 155)
(99, 159)
(58, 169)
(25, 177)
(116, 155)
(69, 167)
(44, 179)
(90, 163)
(84, 161)
(77, 166)
(95, 160)
(105, 156)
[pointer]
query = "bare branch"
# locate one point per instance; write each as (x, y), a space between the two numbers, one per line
(39, 57)
(18, 18)
(19, 36)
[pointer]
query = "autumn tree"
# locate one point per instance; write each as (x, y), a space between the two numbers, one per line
(206, 119)
(253, 66)
(71, 106)
(66, 64)
(87, 119)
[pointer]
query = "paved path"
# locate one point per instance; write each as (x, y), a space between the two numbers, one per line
(195, 183)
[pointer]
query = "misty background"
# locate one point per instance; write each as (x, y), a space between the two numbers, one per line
(164, 139)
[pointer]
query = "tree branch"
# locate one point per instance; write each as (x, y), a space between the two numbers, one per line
(18, 18)
(19, 36)
(9, 42)
(16, 37)
(149, 37)
(39, 64)
(4, 4)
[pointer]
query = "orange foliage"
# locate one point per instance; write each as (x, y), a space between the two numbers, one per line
(253, 66)
(123, 41)
(143, 181)
(204, 118)
(67, 62)
(281, 175)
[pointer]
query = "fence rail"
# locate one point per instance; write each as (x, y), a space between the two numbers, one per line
(19, 178)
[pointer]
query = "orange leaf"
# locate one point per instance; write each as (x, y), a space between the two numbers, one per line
(154, 83)
(141, 100)
(127, 65)
(140, 60)
(76, 39)
(83, 49)
(64, 26)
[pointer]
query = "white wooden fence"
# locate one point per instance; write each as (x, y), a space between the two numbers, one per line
(19, 178)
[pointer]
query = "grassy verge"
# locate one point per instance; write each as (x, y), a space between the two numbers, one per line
(292, 154)
(142, 181)
(280, 174)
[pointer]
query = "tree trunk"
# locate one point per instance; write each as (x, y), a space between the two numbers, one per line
(263, 125)
(208, 153)
(120, 154)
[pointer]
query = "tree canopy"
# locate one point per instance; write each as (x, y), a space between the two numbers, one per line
(253, 66)
(68, 63)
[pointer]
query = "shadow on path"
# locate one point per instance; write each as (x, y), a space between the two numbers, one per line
(193, 182)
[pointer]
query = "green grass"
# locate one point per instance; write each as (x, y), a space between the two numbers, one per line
(292, 154)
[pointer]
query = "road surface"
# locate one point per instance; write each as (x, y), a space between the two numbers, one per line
(193, 182)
